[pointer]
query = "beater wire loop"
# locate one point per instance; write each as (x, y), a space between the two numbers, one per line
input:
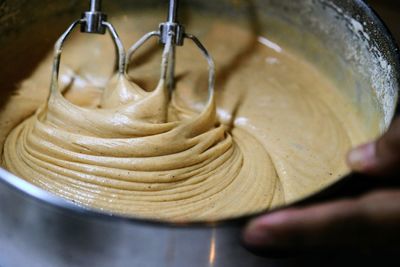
(93, 21)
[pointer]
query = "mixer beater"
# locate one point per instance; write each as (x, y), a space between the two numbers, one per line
(93, 21)
(171, 34)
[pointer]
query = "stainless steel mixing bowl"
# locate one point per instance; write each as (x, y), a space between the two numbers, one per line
(343, 37)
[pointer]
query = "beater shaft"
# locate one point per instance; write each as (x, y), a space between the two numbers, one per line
(95, 5)
(172, 29)
(173, 10)
(172, 17)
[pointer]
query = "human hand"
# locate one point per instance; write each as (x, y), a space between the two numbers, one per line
(369, 221)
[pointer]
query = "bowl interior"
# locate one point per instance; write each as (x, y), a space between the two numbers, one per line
(343, 38)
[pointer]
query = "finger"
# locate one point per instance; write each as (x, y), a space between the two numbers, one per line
(300, 228)
(381, 157)
(343, 224)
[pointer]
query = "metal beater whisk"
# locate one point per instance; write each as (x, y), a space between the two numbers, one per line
(171, 34)
(92, 21)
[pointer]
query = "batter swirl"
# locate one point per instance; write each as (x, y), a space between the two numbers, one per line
(139, 155)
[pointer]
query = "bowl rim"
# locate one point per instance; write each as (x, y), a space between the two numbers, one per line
(37, 194)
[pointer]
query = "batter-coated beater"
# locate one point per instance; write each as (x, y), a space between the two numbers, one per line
(171, 34)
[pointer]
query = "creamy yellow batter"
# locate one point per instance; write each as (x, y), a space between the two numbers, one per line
(276, 131)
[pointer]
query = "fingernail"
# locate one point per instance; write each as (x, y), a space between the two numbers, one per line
(362, 158)
(256, 236)
(259, 232)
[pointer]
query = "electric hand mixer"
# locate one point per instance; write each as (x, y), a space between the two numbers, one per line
(170, 34)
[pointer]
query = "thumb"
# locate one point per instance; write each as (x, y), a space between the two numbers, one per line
(381, 157)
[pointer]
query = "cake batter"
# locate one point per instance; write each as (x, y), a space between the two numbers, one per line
(276, 131)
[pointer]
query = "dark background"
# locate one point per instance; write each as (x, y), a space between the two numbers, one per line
(389, 11)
